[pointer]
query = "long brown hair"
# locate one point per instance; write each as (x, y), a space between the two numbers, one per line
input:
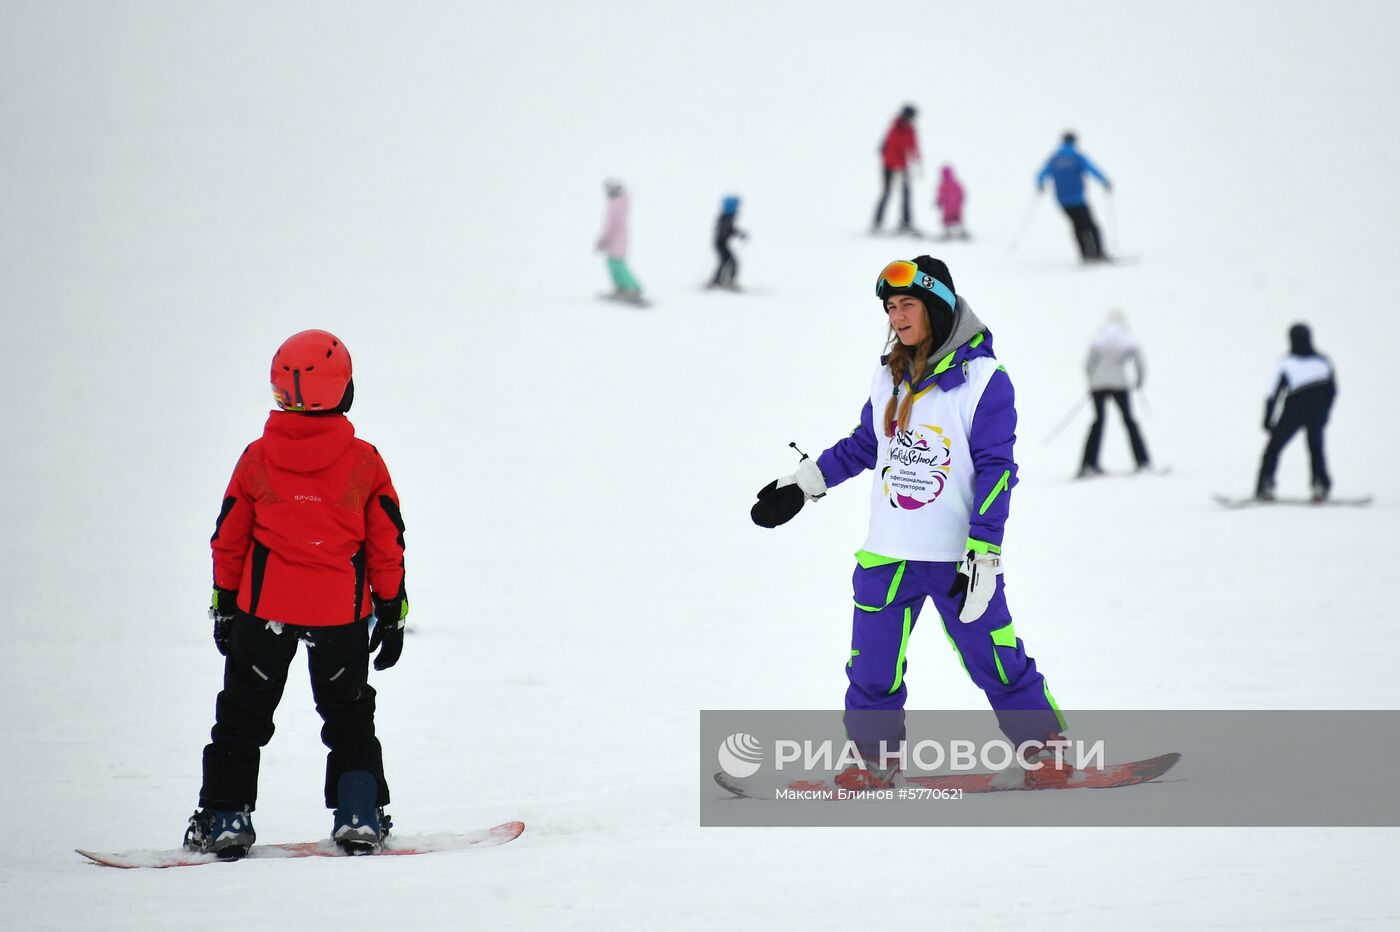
(906, 361)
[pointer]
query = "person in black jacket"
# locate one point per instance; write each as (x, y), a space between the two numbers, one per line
(725, 230)
(1308, 385)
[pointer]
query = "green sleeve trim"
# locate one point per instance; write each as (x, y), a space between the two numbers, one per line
(850, 663)
(1002, 369)
(868, 560)
(997, 489)
(981, 546)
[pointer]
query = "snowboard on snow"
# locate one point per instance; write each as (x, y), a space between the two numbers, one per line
(1114, 775)
(637, 302)
(1249, 501)
(1125, 474)
(393, 845)
(708, 288)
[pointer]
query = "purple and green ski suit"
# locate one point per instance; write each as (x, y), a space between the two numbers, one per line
(940, 489)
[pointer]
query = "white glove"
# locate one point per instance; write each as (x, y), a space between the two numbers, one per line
(981, 570)
(808, 478)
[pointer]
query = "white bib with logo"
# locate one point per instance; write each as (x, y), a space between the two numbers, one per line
(921, 500)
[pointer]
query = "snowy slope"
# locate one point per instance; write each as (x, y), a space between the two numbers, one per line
(183, 186)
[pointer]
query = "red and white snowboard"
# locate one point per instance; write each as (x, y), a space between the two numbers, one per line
(393, 845)
(1128, 774)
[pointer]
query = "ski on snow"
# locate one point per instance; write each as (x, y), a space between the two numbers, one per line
(393, 845)
(1114, 775)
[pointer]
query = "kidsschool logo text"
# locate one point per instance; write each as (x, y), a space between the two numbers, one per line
(1106, 768)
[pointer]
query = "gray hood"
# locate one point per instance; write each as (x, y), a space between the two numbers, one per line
(966, 325)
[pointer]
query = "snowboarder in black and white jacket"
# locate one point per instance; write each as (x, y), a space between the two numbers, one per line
(1307, 384)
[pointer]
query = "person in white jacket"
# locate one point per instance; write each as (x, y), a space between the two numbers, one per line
(1111, 352)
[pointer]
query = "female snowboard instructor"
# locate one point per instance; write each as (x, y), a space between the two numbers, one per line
(941, 451)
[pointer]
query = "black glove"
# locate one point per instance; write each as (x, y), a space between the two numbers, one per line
(223, 608)
(390, 617)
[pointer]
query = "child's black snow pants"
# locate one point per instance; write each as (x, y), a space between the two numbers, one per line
(255, 673)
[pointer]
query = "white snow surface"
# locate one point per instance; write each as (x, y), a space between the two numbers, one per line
(184, 185)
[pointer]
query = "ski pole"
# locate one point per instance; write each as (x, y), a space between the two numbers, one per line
(1025, 220)
(1112, 221)
(1142, 396)
(1065, 421)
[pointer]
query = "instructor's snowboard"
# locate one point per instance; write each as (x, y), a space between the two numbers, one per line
(1228, 502)
(394, 844)
(1129, 774)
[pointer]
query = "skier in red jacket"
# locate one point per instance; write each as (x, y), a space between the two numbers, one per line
(897, 152)
(308, 545)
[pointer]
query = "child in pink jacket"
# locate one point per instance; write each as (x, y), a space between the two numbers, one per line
(612, 242)
(950, 199)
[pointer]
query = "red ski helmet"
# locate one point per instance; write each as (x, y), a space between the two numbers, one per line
(310, 372)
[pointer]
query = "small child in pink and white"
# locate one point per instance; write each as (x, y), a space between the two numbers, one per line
(950, 198)
(612, 242)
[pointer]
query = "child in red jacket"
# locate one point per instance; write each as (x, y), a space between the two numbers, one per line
(308, 545)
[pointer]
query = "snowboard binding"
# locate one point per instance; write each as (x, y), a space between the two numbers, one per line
(223, 833)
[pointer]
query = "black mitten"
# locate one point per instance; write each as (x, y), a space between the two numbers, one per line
(777, 504)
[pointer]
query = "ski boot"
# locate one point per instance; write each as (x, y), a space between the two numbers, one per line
(1089, 472)
(221, 832)
(360, 826)
(1265, 490)
(1320, 491)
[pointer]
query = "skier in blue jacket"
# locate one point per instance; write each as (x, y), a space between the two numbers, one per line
(1066, 166)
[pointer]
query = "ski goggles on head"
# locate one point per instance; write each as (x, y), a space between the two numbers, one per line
(901, 273)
